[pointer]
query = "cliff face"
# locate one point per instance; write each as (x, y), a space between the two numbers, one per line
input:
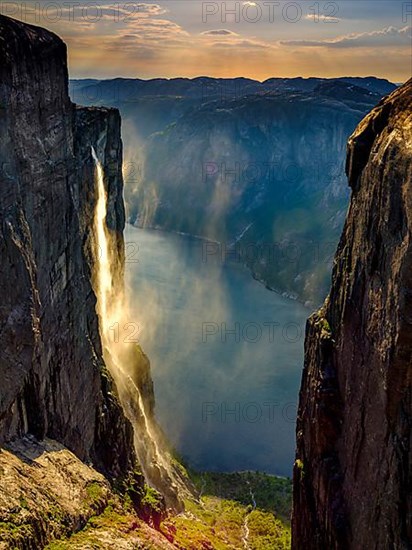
(352, 476)
(264, 175)
(53, 379)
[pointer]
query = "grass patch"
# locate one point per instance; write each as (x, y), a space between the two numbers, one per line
(23, 503)
(94, 492)
(324, 325)
(271, 493)
(152, 499)
(267, 533)
(215, 522)
(15, 535)
(227, 504)
(113, 518)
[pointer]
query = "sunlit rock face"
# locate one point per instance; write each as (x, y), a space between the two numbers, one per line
(51, 367)
(352, 475)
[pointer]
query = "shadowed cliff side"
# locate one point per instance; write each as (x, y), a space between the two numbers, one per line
(54, 383)
(352, 475)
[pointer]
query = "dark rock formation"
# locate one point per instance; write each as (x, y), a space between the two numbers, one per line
(353, 473)
(53, 380)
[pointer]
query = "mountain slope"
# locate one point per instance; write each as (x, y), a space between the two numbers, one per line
(263, 175)
(257, 166)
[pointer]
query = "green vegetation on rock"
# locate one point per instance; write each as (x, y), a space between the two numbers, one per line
(153, 499)
(229, 503)
(233, 511)
(271, 493)
(301, 467)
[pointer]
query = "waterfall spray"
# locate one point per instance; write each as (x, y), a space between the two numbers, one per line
(121, 357)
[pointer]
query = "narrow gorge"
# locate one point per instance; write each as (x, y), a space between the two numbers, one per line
(83, 462)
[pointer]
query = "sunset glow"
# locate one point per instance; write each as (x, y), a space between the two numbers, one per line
(259, 40)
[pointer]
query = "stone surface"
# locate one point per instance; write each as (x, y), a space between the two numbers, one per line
(45, 491)
(48, 493)
(352, 476)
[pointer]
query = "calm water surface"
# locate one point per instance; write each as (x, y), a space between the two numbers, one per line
(226, 353)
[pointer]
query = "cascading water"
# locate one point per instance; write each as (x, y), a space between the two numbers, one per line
(121, 357)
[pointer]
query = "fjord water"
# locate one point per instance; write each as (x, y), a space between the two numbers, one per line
(226, 353)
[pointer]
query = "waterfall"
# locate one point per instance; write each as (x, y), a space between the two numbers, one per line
(104, 277)
(122, 357)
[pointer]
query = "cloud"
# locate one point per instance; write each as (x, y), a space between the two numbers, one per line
(157, 30)
(146, 38)
(323, 18)
(98, 18)
(223, 38)
(251, 44)
(389, 36)
(150, 9)
(219, 32)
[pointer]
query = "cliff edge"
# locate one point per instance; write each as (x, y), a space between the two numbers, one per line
(53, 379)
(353, 470)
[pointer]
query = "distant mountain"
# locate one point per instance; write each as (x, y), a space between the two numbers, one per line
(256, 166)
(205, 88)
(373, 84)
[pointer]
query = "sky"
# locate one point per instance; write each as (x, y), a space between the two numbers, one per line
(255, 39)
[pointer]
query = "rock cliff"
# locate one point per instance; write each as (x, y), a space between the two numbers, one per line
(352, 475)
(53, 379)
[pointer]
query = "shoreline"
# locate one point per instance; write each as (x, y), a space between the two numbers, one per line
(282, 293)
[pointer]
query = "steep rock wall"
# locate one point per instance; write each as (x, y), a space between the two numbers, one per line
(353, 472)
(53, 379)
